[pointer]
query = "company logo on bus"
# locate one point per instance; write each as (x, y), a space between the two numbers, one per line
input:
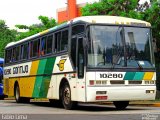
(111, 75)
(61, 64)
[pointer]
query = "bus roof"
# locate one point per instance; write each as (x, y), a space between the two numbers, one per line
(112, 20)
(90, 19)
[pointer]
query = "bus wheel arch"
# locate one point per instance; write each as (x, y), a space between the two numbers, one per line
(65, 95)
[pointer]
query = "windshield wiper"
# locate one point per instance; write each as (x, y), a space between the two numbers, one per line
(130, 56)
(140, 66)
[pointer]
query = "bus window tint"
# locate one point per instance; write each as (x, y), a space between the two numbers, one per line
(14, 55)
(17, 53)
(49, 44)
(73, 51)
(43, 45)
(24, 51)
(64, 40)
(35, 48)
(57, 41)
(77, 29)
(8, 56)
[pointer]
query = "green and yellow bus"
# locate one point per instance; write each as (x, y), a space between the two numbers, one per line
(88, 59)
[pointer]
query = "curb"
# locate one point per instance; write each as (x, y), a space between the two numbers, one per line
(147, 105)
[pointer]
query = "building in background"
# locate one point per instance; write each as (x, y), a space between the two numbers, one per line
(72, 10)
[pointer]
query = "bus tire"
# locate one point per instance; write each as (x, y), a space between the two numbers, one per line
(66, 98)
(17, 94)
(121, 105)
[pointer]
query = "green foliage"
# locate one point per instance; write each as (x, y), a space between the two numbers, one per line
(46, 23)
(152, 15)
(112, 7)
(6, 36)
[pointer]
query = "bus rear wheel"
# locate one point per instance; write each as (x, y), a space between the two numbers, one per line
(66, 98)
(121, 105)
(17, 94)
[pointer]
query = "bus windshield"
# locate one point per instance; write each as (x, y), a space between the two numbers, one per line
(117, 46)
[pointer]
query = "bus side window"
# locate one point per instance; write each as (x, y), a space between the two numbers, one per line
(78, 29)
(35, 48)
(31, 48)
(80, 58)
(17, 53)
(64, 40)
(49, 44)
(24, 51)
(73, 51)
(14, 55)
(8, 56)
(57, 41)
(21, 53)
(43, 46)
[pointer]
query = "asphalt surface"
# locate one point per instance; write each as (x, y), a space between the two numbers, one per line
(10, 110)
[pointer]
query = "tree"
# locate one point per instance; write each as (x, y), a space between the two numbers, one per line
(125, 8)
(46, 23)
(6, 36)
(152, 15)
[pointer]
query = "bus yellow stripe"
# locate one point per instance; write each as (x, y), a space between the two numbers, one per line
(44, 32)
(148, 75)
(30, 81)
(34, 67)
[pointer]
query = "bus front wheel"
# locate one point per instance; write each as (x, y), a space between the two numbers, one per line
(66, 98)
(121, 105)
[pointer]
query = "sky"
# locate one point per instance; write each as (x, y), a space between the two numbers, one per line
(27, 11)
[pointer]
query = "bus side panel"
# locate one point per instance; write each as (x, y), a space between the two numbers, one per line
(52, 90)
(29, 82)
(43, 77)
(11, 86)
(17, 73)
(6, 86)
(62, 69)
(26, 84)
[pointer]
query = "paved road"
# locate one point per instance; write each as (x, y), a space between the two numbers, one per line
(9, 109)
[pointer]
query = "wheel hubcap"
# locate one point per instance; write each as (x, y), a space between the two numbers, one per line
(67, 95)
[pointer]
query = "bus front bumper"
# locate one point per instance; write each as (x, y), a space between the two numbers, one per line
(120, 93)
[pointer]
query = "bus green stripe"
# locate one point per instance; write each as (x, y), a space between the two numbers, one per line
(39, 79)
(42, 82)
(46, 79)
(129, 75)
(138, 76)
(134, 76)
